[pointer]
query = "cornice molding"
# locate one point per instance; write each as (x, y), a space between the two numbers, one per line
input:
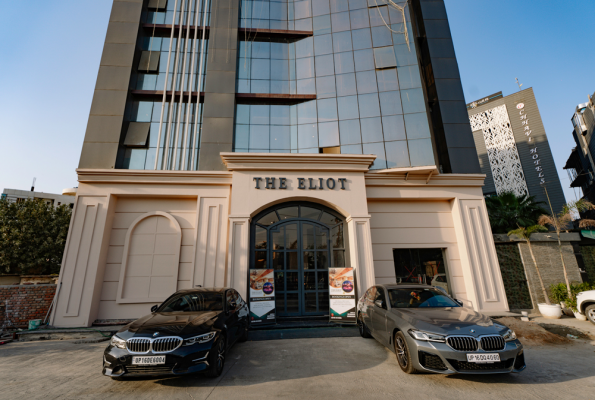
(417, 180)
(297, 162)
(127, 176)
(407, 172)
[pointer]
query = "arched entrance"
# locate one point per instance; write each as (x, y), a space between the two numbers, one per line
(300, 241)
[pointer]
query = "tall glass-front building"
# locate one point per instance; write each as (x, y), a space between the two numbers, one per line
(311, 146)
(309, 76)
(358, 66)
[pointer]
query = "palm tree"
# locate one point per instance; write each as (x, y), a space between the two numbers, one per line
(525, 233)
(508, 211)
(560, 222)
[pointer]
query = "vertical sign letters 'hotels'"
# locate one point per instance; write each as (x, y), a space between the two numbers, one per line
(532, 150)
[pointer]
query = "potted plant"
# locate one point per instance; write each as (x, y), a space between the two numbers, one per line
(560, 295)
(547, 309)
(572, 305)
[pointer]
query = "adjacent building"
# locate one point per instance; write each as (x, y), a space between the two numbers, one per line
(226, 136)
(580, 164)
(16, 195)
(513, 148)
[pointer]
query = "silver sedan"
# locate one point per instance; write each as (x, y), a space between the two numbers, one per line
(429, 331)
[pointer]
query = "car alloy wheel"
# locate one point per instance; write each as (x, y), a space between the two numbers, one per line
(363, 330)
(590, 313)
(244, 336)
(217, 358)
(403, 355)
(220, 356)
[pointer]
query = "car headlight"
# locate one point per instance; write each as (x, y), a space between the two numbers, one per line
(509, 335)
(117, 342)
(426, 336)
(199, 339)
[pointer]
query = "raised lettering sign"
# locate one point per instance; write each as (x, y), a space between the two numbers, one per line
(302, 183)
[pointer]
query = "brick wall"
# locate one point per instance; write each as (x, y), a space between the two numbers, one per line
(25, 302)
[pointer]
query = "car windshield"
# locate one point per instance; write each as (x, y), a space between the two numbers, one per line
(419, 298)
(192, 302)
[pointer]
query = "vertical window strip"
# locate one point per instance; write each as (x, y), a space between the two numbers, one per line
(184, 164)
(171, 39)
(174, 162)
(200, 71)
(166, 160)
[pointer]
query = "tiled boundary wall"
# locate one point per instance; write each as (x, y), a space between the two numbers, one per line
(25, 302)
(547, 256)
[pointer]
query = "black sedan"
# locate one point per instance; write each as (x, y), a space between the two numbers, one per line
(430, 331)
(189, 332)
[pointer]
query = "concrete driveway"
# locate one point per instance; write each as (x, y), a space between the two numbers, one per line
(326, 368)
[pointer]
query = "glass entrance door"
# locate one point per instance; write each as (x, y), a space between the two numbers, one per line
(300, 241)
(300, 254)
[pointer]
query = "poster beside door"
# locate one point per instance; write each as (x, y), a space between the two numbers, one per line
(262, 296)
(342, 295)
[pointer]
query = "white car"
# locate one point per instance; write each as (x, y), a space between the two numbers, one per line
(440, 281)
(585, 303)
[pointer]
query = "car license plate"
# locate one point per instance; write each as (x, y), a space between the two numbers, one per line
(483, 358)
(155, 360)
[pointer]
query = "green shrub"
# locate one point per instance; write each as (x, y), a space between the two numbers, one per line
(32, 237)
(559, 292)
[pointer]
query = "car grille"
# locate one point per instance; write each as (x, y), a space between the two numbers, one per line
(462, 343)
(149, 369)
(464, 366)
(138, 345)
(491, 343)
(431, 361)
(157, 346)
(165, 345)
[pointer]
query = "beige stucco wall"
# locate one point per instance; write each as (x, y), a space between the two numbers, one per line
(123, 217)
(451, 214)
(406, 224)
(107, 204)
(247, 201)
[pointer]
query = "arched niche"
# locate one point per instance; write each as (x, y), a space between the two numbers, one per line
(150, 260)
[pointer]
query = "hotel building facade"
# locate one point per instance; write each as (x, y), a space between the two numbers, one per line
(513, 148)
(299, 136)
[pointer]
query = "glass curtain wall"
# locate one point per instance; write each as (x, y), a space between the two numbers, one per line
(369, 97)
(183, 68)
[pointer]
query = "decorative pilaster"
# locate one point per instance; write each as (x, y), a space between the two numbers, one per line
(238, 253)
(360, 252)
(481, 271)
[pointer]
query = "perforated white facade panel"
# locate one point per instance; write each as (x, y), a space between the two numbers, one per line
(502, 150)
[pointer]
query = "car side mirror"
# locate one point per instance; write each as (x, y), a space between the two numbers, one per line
(459, 302)
(379, 303)
(154, 308)
(233, 305)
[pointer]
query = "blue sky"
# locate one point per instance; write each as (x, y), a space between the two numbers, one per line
(50, 53)
(547, 44)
